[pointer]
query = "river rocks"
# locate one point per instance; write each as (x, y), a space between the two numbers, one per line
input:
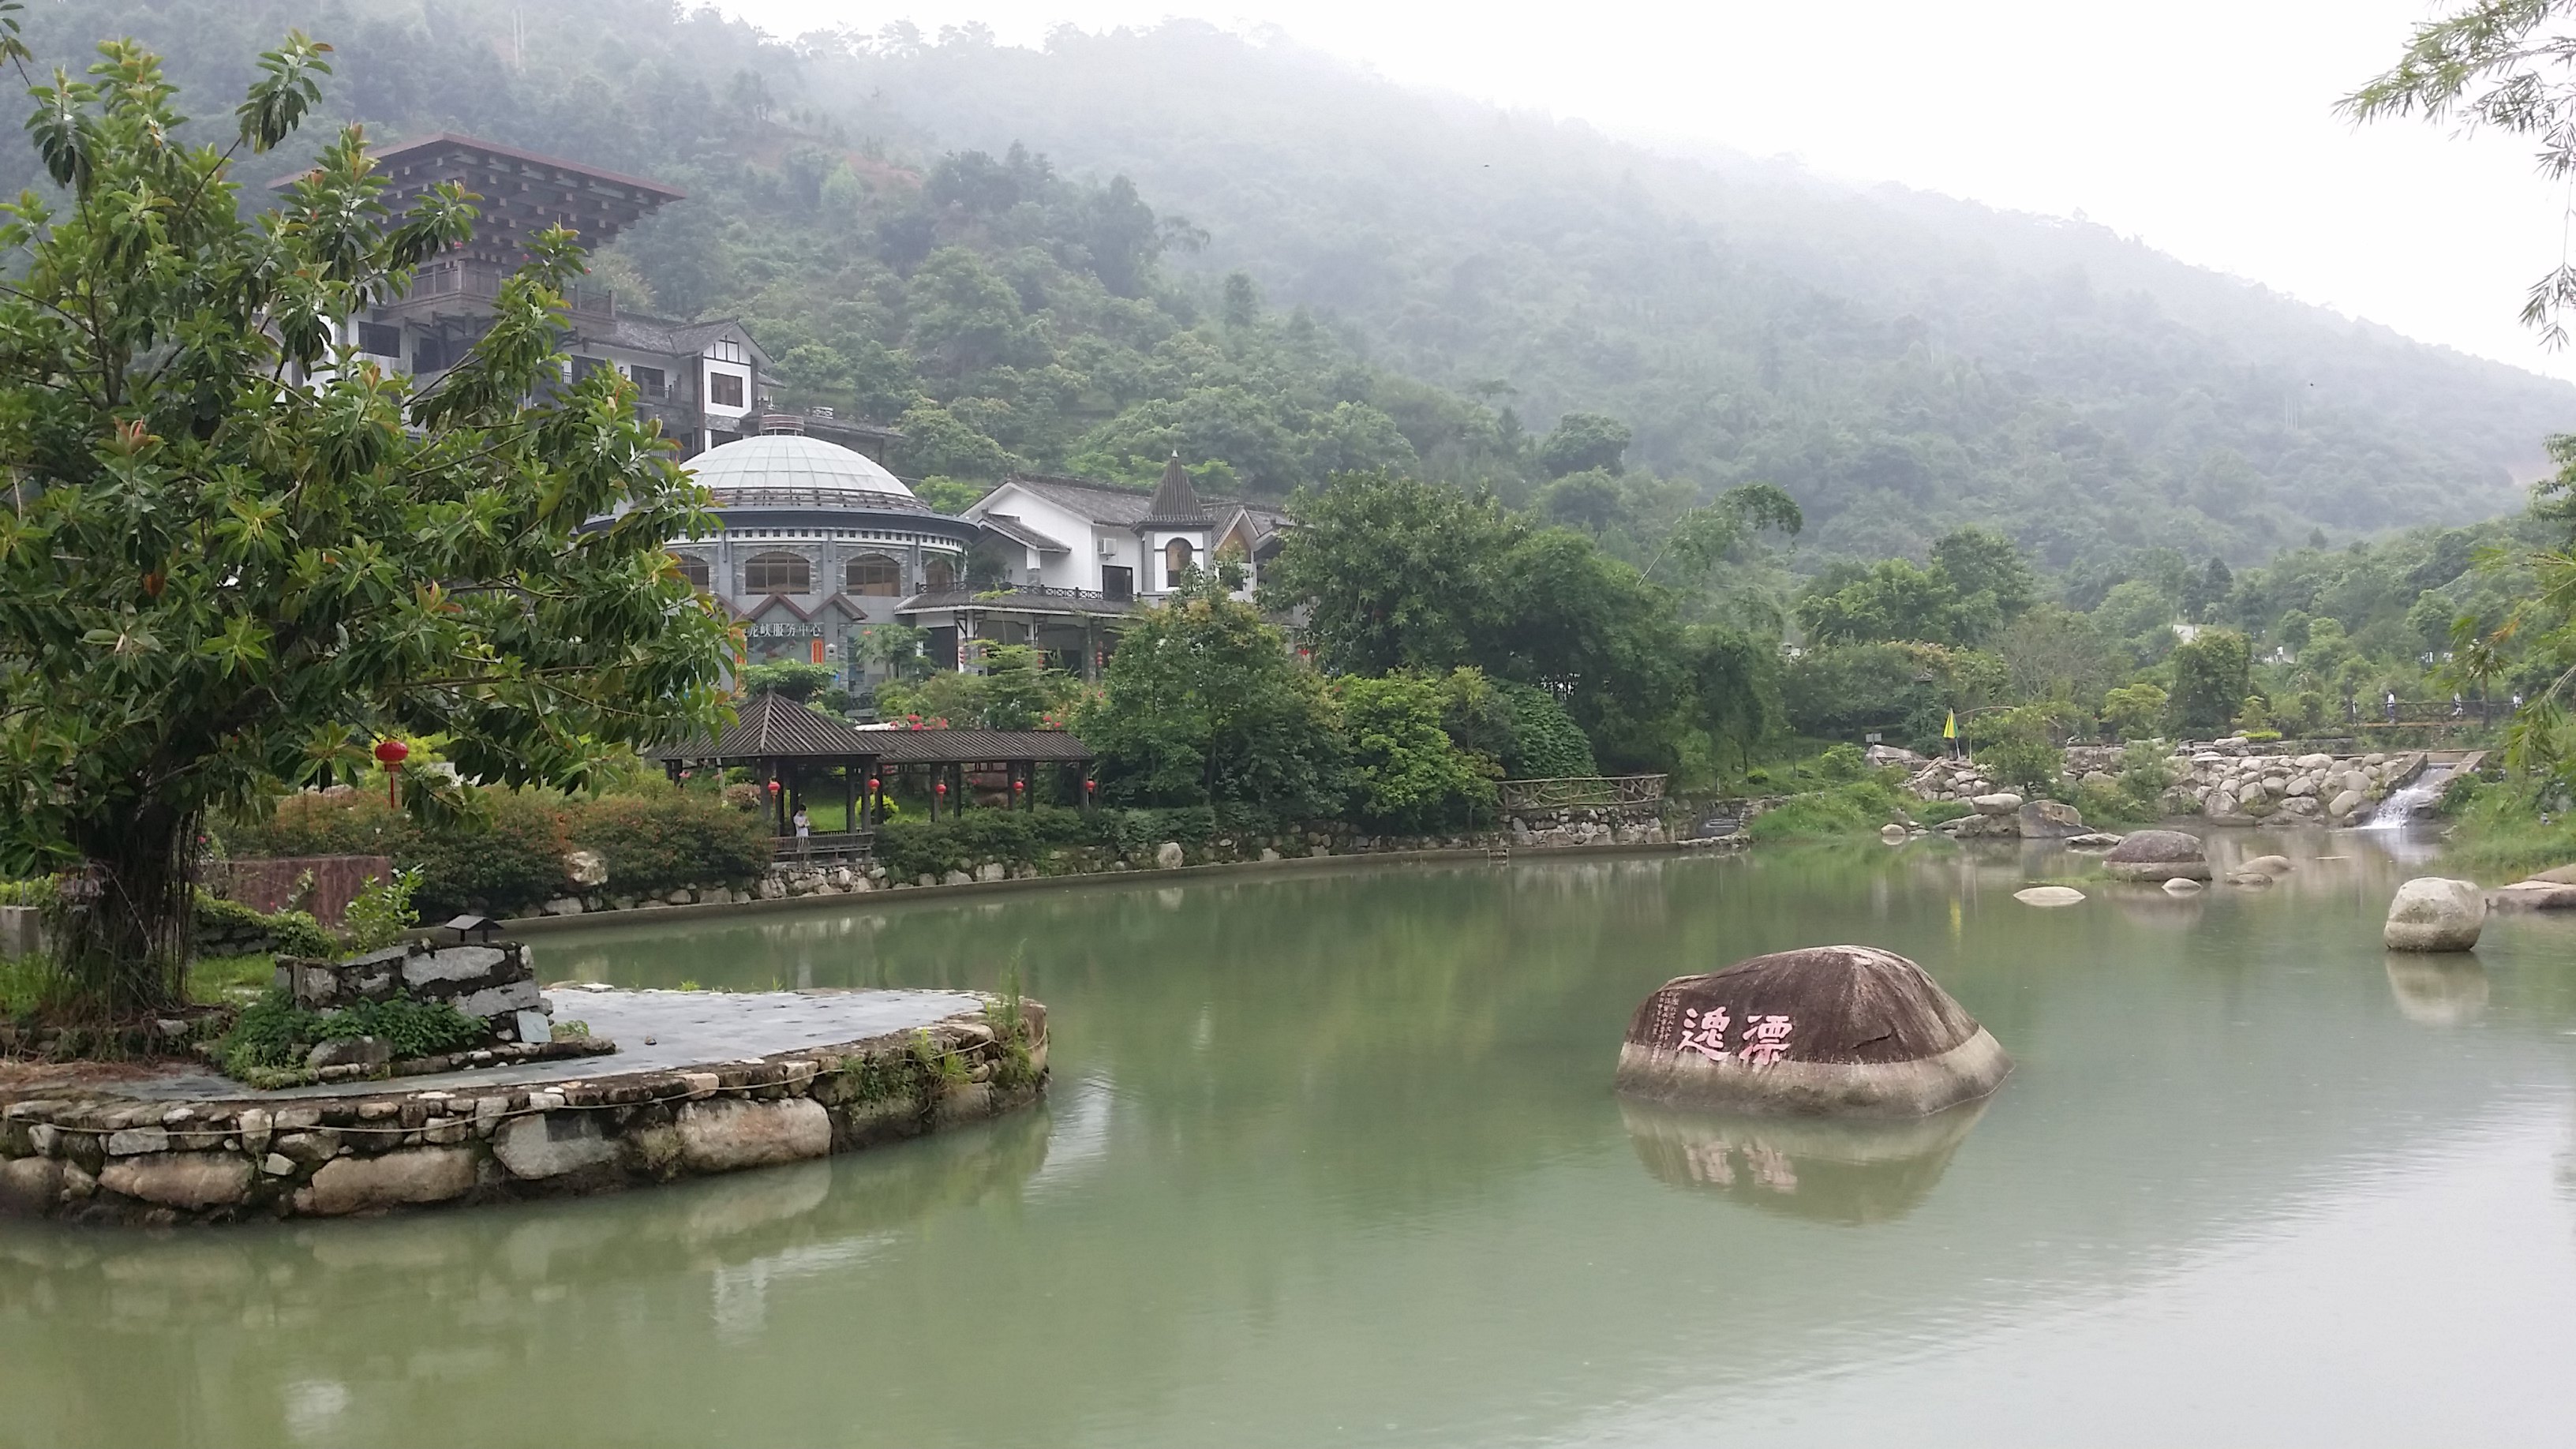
(2532, 895)
(404, 1178)
(725, 1135)
(2182, 885)
(1947, 779)
(2435, 913)
(2001, 803)
(2158, 855)
(1826, 1030)
(2049, 896)
(1892, 833)
(587, 868)
(2270, 865)
(29, 1185)
(179, 1179)
(2095, 840)
(1167, 856)
(2048, 820)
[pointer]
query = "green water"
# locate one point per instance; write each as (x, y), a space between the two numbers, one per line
(1332, 1158)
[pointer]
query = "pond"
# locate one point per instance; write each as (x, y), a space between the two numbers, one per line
(1332, 1157)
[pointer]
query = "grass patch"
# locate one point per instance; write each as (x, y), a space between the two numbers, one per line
(1934, 812)
(272, 1035)
(1857, 808)
(2503, 835)
(221, 980)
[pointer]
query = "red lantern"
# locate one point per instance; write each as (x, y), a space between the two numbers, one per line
(941, 787)
(872, 782)
(773, 787)
(1090, 785)
(1019, 784)
(391, 754)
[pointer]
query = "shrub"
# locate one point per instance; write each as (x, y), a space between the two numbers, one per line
(1409, 775)
(1546, 742)
(2014, 746)
(1858, 808)
(380, 914)
(656, 841)
(274, 1034)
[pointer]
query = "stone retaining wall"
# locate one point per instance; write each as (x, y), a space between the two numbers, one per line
(1587, 826)
(101, 1158)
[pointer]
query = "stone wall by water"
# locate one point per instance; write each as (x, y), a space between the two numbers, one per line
(96, 1157)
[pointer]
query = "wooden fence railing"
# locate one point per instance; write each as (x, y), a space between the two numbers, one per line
(1574, 791)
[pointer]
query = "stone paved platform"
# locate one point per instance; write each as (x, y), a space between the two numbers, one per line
(687, 1028)
(727, 1081)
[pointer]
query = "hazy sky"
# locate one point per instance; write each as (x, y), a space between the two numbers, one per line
(2206, 127)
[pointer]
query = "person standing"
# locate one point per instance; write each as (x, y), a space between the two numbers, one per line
(804, 825)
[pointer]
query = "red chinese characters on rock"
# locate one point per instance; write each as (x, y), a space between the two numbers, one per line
(1766, 1040)
(1704, 1034)
(1763, 1041)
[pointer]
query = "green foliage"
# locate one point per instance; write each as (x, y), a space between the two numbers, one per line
(38, 891)
(2507, 830)
(1907, 690)
(2015, 747)
(1016, 690)
(209, 582)
(1584, 441)
(1857, 808)
(381, 911)
(1407, 774)
(1546, 742)
(2135, 711)
(1976, 584)
(789, 678)
(1203, 703)
(2211, 676)
(655, 842)
(275, 1034)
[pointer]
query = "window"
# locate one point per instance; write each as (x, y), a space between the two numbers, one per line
(429, 354)
(778, 573)
(724, 389)
(1117, 583)
(694, 569)
(378, 340)
(938, 572)
(583, 367)
(874, 573)
(1177, 559)
(649, 381)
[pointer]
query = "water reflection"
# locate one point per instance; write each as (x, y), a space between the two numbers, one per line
(1850, 1173)
(2438, 990)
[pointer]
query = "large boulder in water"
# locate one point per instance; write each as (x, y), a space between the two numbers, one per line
(1827, 1030)
(2158, 855)
(2434, 913)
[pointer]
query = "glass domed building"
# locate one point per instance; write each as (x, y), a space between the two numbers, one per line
(818, 543)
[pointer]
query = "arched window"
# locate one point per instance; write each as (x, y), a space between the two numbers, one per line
(778, 573)
(873, 573)
(938, 572)
(1178, 557)
(694, 569)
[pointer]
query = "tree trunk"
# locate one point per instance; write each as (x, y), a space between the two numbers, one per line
(128, 916)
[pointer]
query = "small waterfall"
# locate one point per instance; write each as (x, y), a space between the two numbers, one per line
(2409, 800)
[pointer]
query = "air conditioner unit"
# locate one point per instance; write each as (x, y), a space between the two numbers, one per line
(1108, 547)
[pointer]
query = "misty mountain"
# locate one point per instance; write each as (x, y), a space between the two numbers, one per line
(1083, 256)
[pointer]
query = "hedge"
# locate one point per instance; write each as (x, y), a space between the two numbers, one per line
(914, 848)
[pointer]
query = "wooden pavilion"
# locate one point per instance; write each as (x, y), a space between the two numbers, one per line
(792, 752)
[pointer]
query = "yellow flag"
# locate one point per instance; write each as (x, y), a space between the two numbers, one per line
(1950, 727)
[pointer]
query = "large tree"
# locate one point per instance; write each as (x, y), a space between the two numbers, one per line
(234, 553)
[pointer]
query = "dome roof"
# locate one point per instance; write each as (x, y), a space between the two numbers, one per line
(790, 470)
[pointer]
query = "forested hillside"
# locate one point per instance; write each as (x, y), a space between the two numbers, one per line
(1084, 257)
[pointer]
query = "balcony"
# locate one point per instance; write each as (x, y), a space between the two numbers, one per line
(467, 289)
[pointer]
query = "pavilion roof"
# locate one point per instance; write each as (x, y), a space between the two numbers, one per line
(769, 727)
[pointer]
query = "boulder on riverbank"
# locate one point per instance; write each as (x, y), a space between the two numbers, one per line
(2158, 855)
(1822, 1031)
(2435, 913)
(2050, 895)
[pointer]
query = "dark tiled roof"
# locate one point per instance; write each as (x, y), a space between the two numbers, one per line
(1025, 600)
(972, 747)
(772, 726)
(1013, 529)
(1175, 502)
(1099, 502)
